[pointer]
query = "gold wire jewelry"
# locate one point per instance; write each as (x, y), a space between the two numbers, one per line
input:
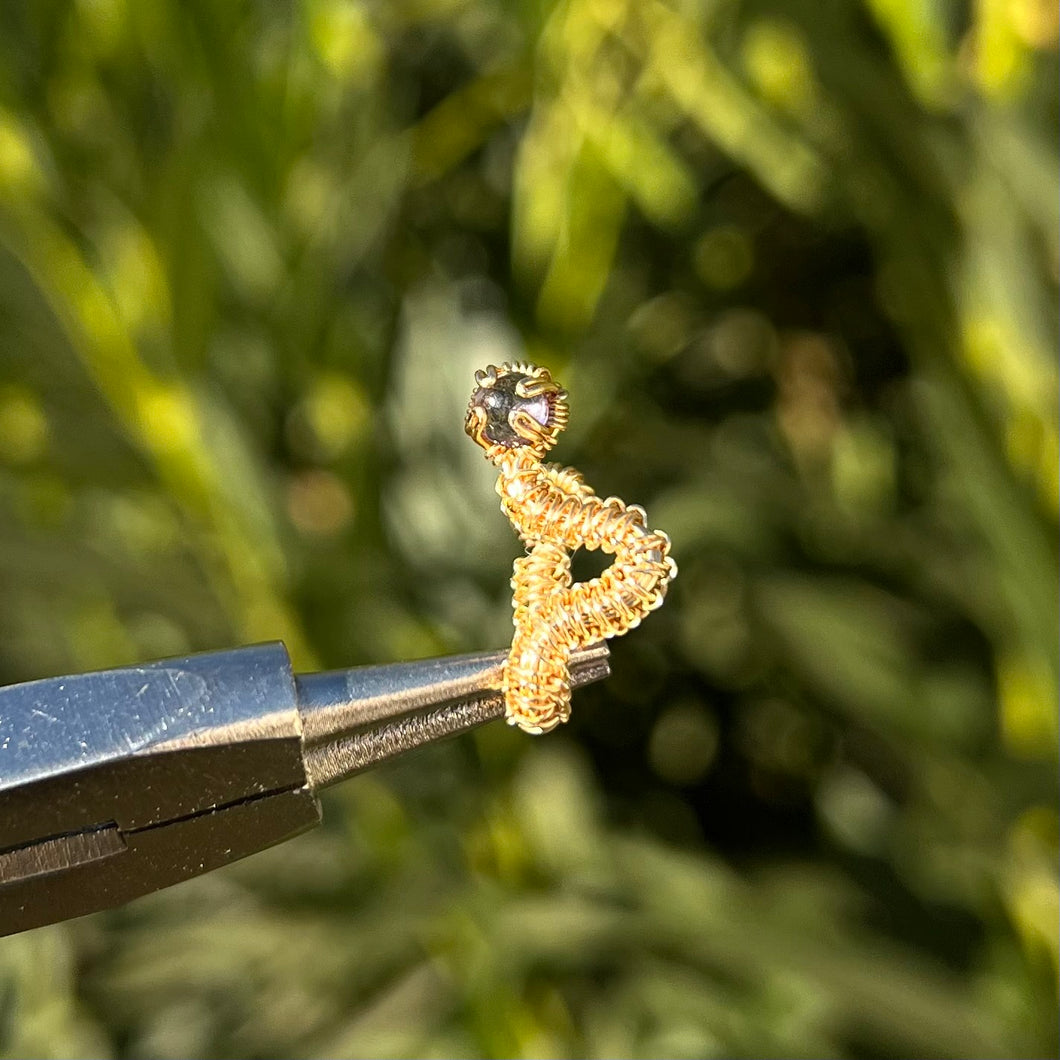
(516, 413)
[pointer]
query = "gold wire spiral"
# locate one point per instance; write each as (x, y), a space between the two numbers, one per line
(515, 414)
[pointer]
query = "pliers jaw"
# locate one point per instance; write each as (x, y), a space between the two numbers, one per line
(119, 783)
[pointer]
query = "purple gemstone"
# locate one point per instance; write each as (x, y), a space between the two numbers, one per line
(500, 400)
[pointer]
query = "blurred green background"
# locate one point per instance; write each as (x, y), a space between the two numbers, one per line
(797, 264)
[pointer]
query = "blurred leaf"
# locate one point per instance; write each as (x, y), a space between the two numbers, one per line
(798, 268)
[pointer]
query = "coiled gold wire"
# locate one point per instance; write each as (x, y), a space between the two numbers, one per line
(555, 512)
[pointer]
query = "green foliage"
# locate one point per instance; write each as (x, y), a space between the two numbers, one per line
(797, 264)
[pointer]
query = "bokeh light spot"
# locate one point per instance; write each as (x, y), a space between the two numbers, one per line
(724, 257)
(319, 503)
(775, 57)
(1027, 696)
(683, 744)
(23, 426)
(18, 164)
(344, 39)
(167, 416)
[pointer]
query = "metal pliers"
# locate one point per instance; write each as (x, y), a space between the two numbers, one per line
(118, 783)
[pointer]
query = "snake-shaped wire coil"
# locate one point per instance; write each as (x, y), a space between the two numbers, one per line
(516, 413)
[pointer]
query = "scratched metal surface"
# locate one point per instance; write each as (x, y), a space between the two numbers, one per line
(69, 723)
